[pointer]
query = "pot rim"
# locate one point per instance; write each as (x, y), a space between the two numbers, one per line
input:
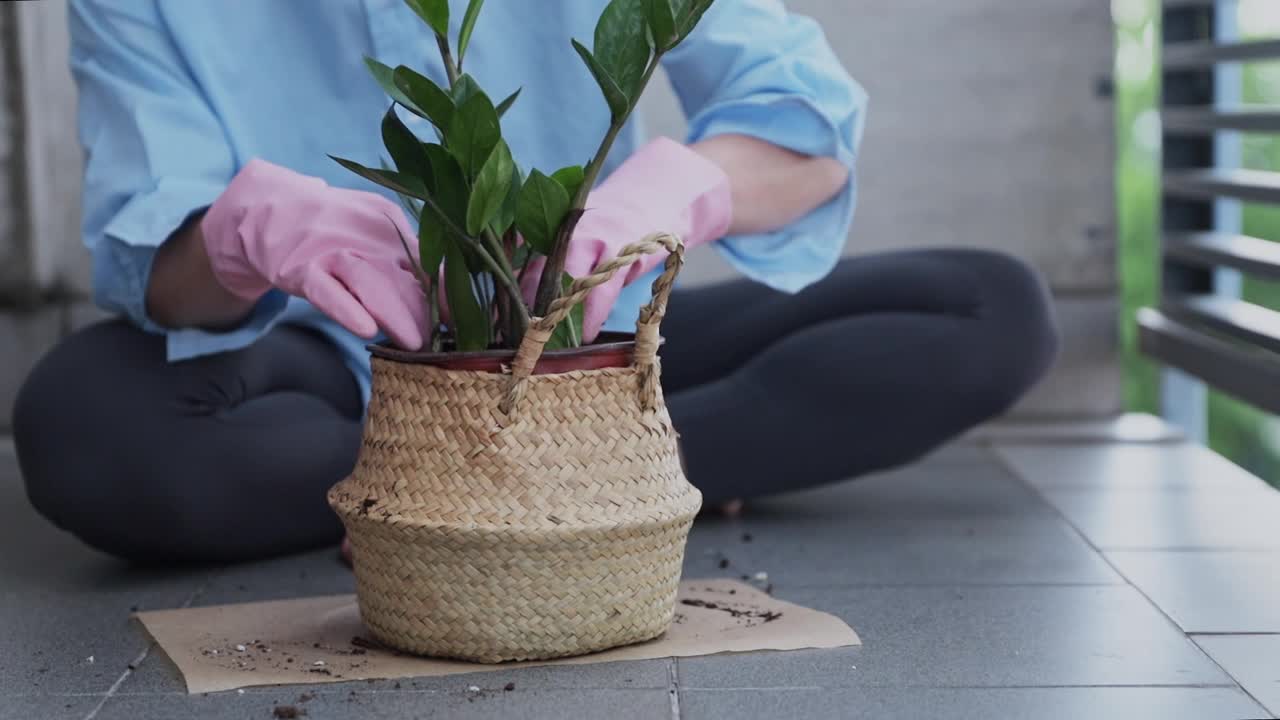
(614, 342)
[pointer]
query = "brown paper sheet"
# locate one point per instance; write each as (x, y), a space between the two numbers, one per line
(317, 640)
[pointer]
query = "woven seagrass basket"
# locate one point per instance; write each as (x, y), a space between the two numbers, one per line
(525, 514)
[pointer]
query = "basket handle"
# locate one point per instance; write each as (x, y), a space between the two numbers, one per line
(647, 338)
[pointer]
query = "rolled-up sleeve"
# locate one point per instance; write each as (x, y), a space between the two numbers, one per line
(753, 68)
(155, 154)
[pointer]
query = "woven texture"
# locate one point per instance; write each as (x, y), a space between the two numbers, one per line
(517, 516)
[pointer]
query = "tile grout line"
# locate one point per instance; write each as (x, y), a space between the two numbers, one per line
(1004, 463)
(137, 661)
(673, 687)
(1231, 633)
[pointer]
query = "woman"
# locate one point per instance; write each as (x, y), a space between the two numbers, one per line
(208, 422)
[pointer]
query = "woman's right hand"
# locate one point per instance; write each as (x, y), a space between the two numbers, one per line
(334, 247)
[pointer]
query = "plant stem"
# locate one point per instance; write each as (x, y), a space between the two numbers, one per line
(450, 69)
(433, 316)
(495, 258)
(549, 282)
(514, 329)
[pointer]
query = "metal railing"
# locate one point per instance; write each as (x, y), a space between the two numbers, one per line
(1229, 343)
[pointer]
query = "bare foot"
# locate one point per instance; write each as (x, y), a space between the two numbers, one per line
(731, 509)
(345, 551)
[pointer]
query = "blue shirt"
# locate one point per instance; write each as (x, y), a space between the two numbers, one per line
(177, 95)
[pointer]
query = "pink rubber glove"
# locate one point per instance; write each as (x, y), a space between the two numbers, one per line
(663, 186)
(336, 248)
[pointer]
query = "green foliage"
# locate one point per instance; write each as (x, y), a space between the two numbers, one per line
(688, 14)
(661, 16)
(390, 179)
(492, 186)
(430, 242)
(471, 324)
(613, 94)
(464, 88)
(385, 77)
(570, 178)
(434, 12)
(568, 333)
(468, 26)
(542, 206)
(405, 148)
(505, 105)
(473, 133)
(434, 103)
(506, 217)
(469, 193)
(623, 46)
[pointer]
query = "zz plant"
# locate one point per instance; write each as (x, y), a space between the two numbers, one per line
(480, 217)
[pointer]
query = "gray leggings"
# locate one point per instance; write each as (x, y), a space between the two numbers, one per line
(228, 457)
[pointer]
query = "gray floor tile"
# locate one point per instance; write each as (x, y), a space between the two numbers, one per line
(1094, 703)
(61, 603)
(932, 523)
(1127, 428)
(830, 550)
(1208, 591)
(930, 492)
(977, 636)
(1253, 660)
(49, 638)
(1152, 519)
(46, 707)
(957, 453)
(1183, 466)
(319, 572)
(491, 702)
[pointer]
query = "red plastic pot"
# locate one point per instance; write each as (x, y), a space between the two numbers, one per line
(611, 350)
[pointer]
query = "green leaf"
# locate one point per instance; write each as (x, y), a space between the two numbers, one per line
(688, 14)
(542, 207)
(613, 95)
(434, 103)
(473, 133)
(568, 334)
(397, 181)
(464, 89)
(431, 243)
(505, 105)
(490, 189)
(623, 46)
(385, 77)
(405, 147)
(468, 24)
(507, 216)
(570, 178)
(434, 12)
(412, 207)
(449, 190)
(470, 321)
(662, 23)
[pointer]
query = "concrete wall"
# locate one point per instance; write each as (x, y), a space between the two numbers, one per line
(990, 126)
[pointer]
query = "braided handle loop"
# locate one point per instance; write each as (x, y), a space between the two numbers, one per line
(647, 338)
